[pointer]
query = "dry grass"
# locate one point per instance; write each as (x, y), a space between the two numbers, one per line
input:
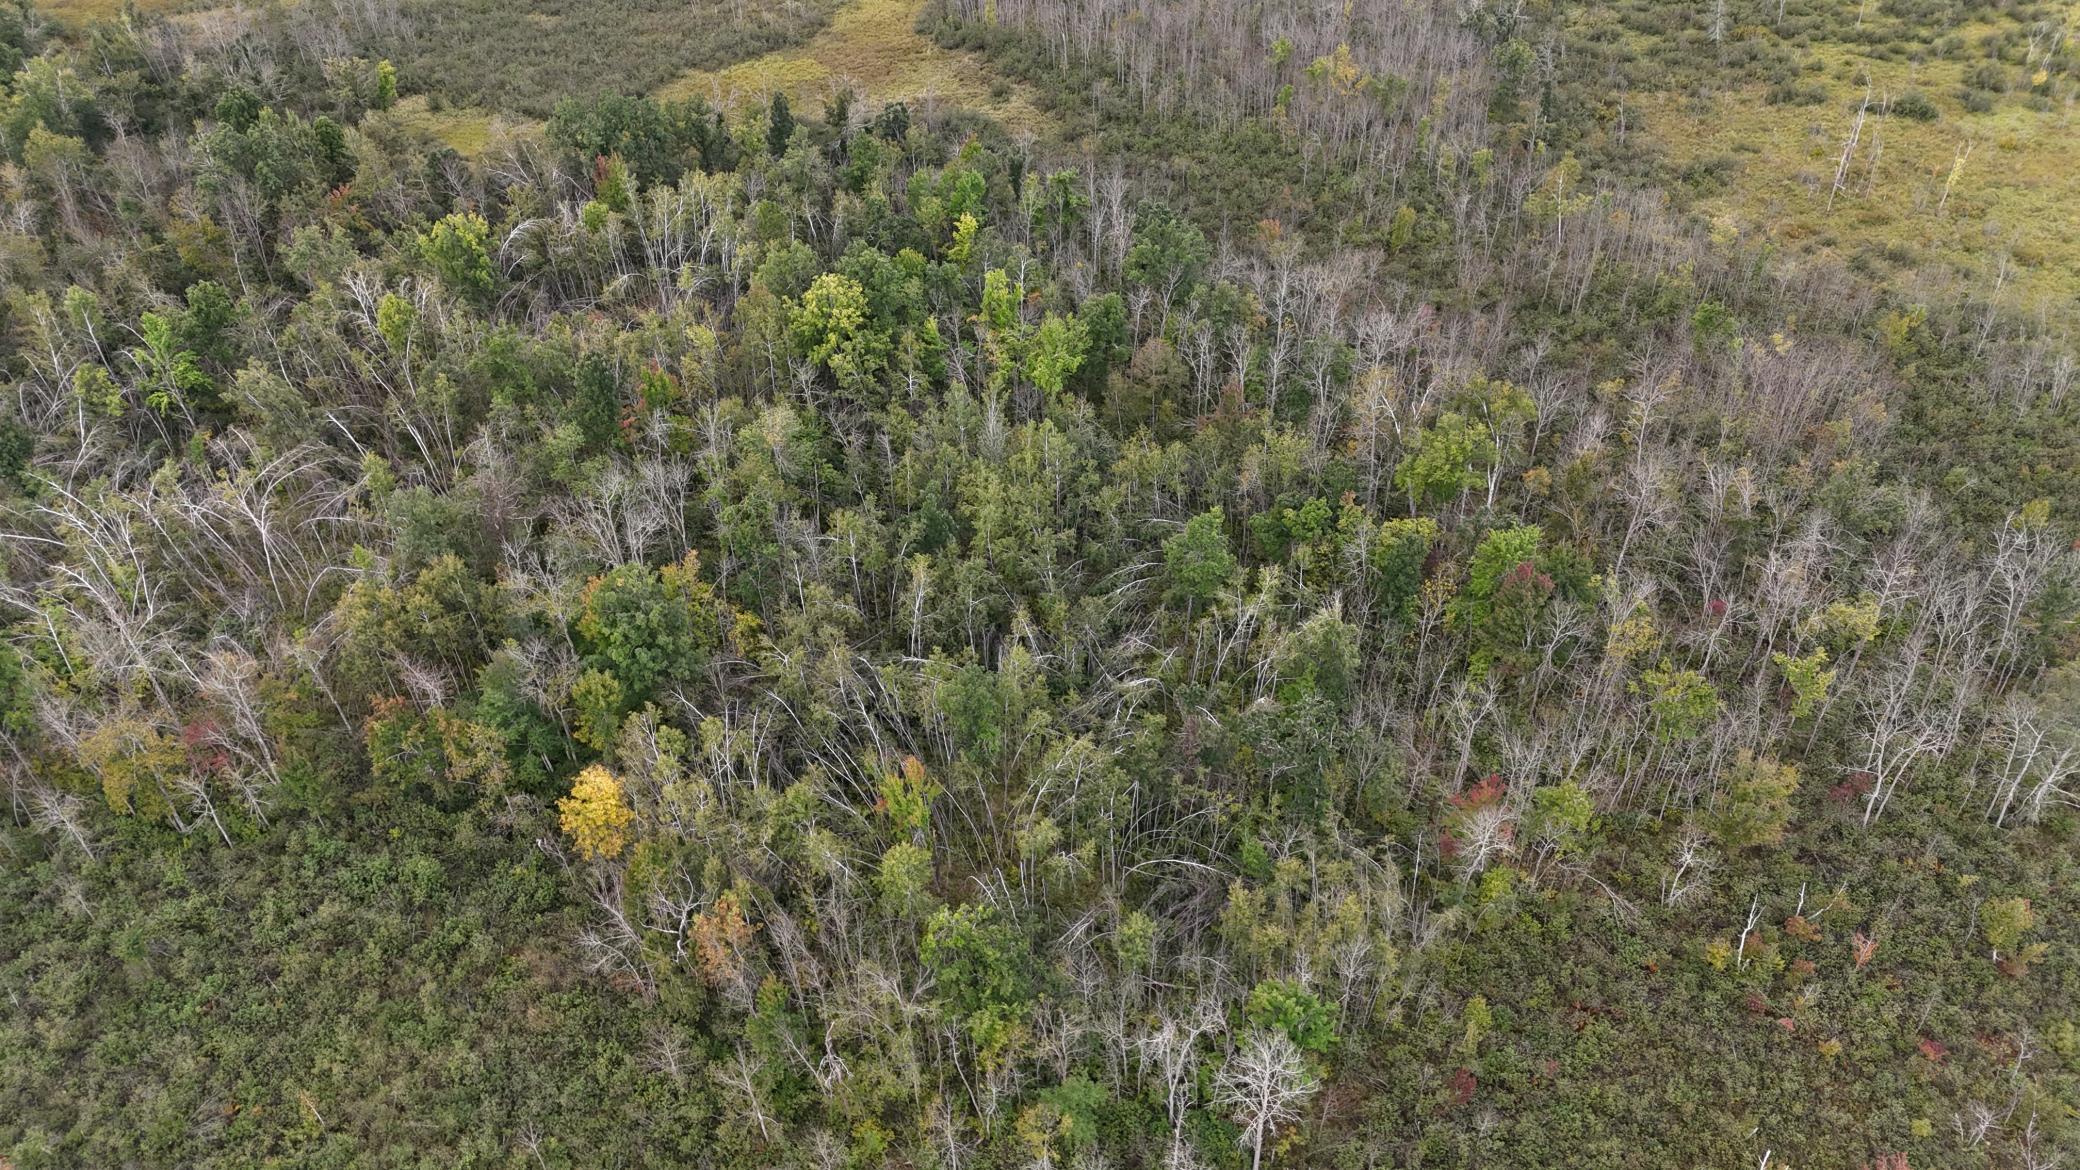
(78, 14)
(2012, 217)
(874, 47)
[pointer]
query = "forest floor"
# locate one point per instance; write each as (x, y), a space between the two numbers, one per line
(873, 46)
(2006, 221)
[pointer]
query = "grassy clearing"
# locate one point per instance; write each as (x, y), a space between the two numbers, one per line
(78, 14)
(525, 57)
(874, 47)
(2011, 217)
(469, 132)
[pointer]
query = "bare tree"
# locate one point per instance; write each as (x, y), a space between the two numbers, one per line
(1263, 1086)
(1171, 1052)
(1693, 868)
(62, 812)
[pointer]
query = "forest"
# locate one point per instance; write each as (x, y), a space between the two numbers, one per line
(1040, 585)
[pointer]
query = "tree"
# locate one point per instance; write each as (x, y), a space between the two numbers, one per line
(1056, 352)
(596, 815)
(1400, 551)
(1683, 702)
(1450, 459)
(779, 126)
(1262, 1086)
(2004, 921)
(980, 967)
(832, 327)
(1756, 806)
(1168, 254)
(649, 626)
(455, 248)
(1197, 559)
(1561, 821)
(1808, 679)
(906, 869)
(1506, 593)
(1286, 1006)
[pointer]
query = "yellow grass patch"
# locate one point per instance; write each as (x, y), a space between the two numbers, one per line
(874, 47)
(469, 132)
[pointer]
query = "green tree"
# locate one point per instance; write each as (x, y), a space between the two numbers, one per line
(1755, 808)
(1683, 702)
(2004, 921)
(456, 248)
(1561, 818)
(832, 327)
(1168, 254)
(1808, 679)
(1197, 559)
(1400, 550)
(1056, 352)
(1449, 460)
(906, 869)
(979, 966)
(650, 626)
(1506, 594)
(779, 125)
(1286, 1006)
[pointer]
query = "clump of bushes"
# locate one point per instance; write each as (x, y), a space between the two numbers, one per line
(1913, 105)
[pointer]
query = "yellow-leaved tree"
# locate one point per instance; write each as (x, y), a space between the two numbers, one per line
(595, 814)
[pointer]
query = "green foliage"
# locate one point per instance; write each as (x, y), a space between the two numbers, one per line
(711, 637)
(1505, 594)
(648, 627)
(1321, 658)
(779, 126)
(1713, 325)
(1479, 1019)
(238, 107)
(656, 141)
(1198, 560)
(906, 798)
(906, 870)
(1808, 681)
(1056, 352)
(262, 957)
(2004, 921)
(1683, 702)
(173, 377)
(1134, 944)
(1562, 816)
(1755, 808)
(481, 53)
(395, 317)
(1286, 1006)
(457, 250)
(977, 964)
(832, 327)
(1169, 253)
(1400, 552)
(1449, 459)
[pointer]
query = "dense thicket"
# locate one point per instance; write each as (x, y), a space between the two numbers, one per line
(847, 639)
